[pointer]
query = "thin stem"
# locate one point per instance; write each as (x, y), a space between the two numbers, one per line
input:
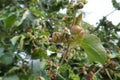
(61, 76)
(98, 71)
(65, 55)
(110, 13)
(96, 28)
(106, 70)
(63, 58)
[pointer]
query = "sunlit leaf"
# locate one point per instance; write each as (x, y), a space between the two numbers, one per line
(26, 14)
(14, 39)
(74, 77)
(26, 18)
(94, 49)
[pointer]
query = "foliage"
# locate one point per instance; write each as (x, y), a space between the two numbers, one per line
(38, 42)
(116, 4)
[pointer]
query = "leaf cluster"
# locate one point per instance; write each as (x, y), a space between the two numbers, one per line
(27, 52)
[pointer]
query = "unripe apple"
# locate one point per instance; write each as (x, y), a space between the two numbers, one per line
(76, 29)
(77, 33)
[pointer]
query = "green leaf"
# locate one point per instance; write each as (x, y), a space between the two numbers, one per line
(14, 77)
(14, 40)
(64, 72)
(6, 59)
(13, 70)
(33, 77)
(44, 33)
(95, 77)
(42, 53)
(74, 77)
(10, 20)
(94, 49)
(26, 18)
(39, 13)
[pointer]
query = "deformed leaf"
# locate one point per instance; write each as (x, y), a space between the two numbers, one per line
(94, 49)
(14, 40)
